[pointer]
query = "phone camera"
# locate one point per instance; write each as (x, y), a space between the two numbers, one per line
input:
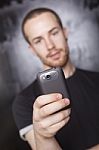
(48, 77)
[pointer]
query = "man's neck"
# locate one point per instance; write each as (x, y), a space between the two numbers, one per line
(69, 69)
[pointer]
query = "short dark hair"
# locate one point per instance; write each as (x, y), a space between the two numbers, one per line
(36, 12)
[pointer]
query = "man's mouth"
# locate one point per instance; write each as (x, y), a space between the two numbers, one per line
(54, 55)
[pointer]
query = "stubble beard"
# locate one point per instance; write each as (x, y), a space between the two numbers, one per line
(62, 62)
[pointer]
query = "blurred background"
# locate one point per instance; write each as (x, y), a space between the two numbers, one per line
(18, 66)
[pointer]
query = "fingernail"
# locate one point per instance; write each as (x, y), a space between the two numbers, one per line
(59, 96)
(66, 100)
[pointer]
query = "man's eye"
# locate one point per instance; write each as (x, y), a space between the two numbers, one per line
(55, 33)
(37, 41)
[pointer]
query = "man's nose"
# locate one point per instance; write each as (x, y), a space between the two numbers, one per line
(49, 44)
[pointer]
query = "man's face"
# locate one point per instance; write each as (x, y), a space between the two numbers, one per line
(48, 40)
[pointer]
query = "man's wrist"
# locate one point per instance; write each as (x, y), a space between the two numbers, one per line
(49, 143)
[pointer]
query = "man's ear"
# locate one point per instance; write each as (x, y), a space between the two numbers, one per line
(65, 30)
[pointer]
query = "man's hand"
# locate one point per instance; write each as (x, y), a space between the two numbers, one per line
(48, 118)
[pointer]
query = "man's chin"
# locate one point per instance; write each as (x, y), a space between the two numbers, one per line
(57, 65)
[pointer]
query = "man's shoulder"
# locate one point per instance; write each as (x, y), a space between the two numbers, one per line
(88, 75)
(25, 98)
(88, 72)
(30, 89)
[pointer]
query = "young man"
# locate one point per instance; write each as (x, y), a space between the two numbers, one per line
(71, 129)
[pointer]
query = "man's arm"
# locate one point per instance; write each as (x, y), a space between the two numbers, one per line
(47, 121)
(29, 136)
(49, 144)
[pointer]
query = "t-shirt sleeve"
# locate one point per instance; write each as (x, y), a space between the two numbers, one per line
(22, 111)
(23, 106)
(25, 130)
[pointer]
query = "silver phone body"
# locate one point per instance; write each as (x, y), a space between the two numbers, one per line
(52, 81)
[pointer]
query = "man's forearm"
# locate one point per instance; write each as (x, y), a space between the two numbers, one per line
(46, 143)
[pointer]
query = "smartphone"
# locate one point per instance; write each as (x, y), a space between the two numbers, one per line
(52, 81)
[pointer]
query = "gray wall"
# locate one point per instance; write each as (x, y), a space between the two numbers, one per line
(18, 66)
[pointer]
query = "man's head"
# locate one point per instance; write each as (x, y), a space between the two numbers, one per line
(43, 30)
(35, 12)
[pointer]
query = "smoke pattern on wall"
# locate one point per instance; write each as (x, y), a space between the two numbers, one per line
(83, 37)
(18, 65)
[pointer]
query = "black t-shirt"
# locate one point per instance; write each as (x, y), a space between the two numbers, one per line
(82, 131)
